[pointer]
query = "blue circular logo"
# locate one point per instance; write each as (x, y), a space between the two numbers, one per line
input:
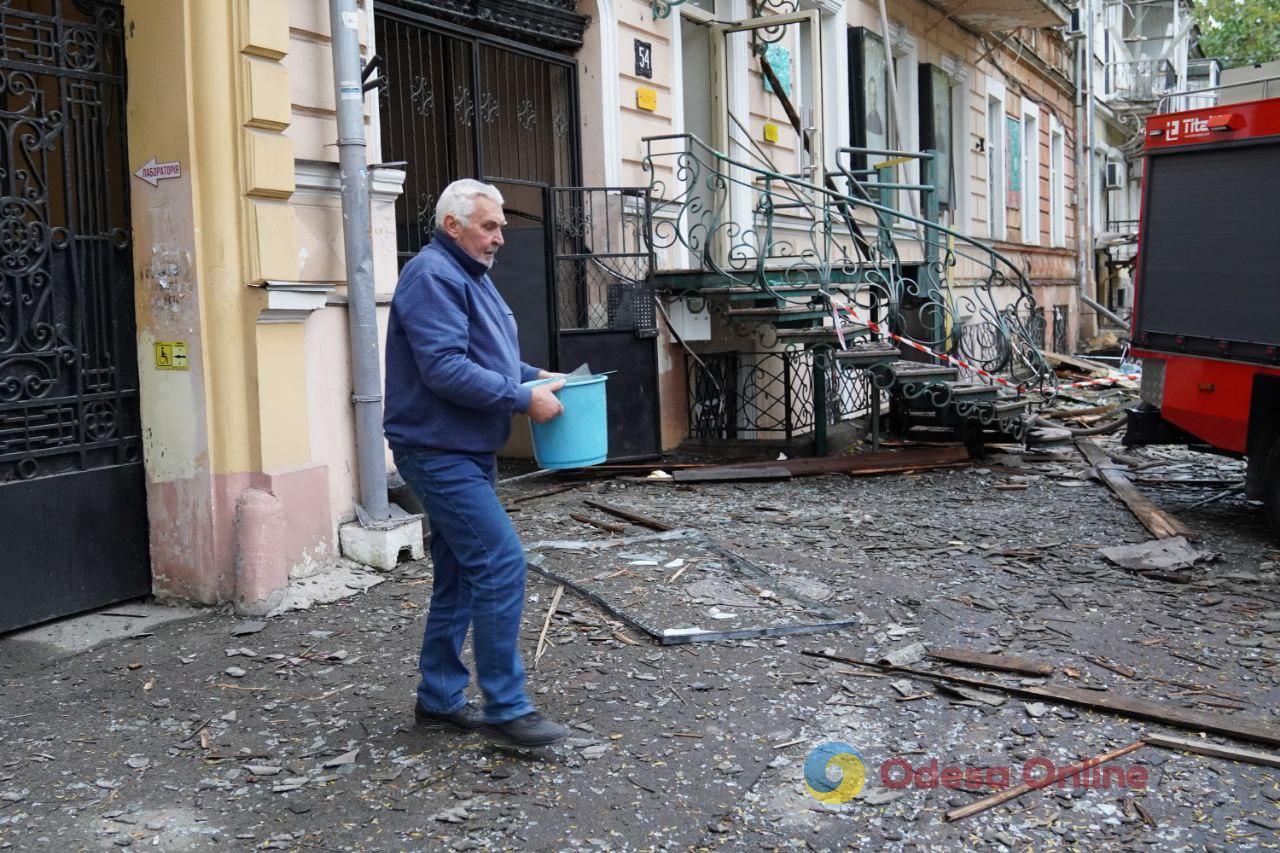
(834, 772)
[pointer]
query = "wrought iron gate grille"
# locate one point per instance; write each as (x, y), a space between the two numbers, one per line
(68, 376)
(454, 105)
(767, 395)
(603, 266)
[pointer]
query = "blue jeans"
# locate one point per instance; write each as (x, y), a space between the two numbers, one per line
(479, 578)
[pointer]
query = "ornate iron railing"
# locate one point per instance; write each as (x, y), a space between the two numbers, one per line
(755, 227)
(771, 395)
(603, 262)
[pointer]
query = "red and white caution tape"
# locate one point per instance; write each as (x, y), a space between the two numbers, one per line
(959, 362)
(916, 345)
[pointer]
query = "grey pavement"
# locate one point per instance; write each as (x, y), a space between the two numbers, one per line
(175, 734)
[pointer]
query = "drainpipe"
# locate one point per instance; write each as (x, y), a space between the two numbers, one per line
(344, 24)
(1085, 120)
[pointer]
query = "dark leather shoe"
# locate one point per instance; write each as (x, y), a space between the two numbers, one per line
(466, 719)
(532, 729)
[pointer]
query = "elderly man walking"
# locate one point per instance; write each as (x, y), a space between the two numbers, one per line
(454, 379)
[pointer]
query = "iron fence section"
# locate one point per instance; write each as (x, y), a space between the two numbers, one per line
(68, 376)
(769, 395)
(453, 105)
(603, 263)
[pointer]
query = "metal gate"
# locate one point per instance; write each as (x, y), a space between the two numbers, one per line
(602, 266)
(72, 495)
(457, 104)
(575, 271)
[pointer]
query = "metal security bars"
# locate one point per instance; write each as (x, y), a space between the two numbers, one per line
(454, 104)
(770, 395)
(602, 262)
(68, 376)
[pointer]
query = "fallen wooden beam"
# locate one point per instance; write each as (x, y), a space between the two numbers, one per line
(545, 493)
(725, 473)
(603, 525)
(1161, 524)
(633, 517)
(895, 461)
(1005, 663)
(1198, 721)
(1058, 775)
(1216, 750)
(1082, 364)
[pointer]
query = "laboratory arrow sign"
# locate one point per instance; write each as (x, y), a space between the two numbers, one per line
(153, 172)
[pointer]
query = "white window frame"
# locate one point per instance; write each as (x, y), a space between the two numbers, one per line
(1057, 183)
(1030, 130)
(961, 214)
(907, 108)
(997, 217)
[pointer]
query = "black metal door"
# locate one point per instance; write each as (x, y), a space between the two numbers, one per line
(603, 283)
(521, 271)
(72, 495)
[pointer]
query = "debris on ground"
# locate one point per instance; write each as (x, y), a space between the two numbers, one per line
(700, 745)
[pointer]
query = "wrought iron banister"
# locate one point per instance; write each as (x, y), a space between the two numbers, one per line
(796, 232)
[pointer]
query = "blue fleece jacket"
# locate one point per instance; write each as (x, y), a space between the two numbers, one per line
(453, 360)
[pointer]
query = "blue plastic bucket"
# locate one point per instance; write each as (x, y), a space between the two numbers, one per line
(580, 435)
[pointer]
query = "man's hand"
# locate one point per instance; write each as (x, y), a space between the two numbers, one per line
(544, 405)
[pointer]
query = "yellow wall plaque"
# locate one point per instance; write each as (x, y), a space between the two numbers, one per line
(646, 98)
(770, 132)
(171, 355)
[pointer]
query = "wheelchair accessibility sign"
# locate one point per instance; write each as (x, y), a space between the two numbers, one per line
(171, 355)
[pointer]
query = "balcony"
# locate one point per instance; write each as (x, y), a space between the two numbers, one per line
(990, 16)
(1138, 84)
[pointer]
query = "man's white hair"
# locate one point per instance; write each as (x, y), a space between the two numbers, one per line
(459, 200)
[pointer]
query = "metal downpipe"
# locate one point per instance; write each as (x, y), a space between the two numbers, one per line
(371, 466)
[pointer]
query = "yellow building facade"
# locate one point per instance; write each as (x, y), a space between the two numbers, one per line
(240, 259)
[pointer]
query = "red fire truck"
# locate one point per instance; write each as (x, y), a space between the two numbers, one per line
(1206, 318)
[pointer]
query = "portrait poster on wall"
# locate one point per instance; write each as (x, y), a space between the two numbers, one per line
(936, 130)
(869, 90)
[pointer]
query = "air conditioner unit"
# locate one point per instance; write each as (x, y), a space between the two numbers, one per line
(1115, 175)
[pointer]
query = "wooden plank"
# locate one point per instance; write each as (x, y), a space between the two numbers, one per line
(1161, 524)
(633, 517)
(1216, 750)
(858, 463)
(603, 525)
(1050, 779)
(1256, 731)
(545, 493)
(1005, 663)
(720, 474)
(1082, 364)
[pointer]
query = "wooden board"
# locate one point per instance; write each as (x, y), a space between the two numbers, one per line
(726, 473)
(858, 463)
(1005, 663)
(1082, 364)
(1161, 524)
(1256, 731)
(633, 517)
(1216, 750)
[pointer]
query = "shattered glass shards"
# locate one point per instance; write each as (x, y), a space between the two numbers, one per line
(682, 586)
